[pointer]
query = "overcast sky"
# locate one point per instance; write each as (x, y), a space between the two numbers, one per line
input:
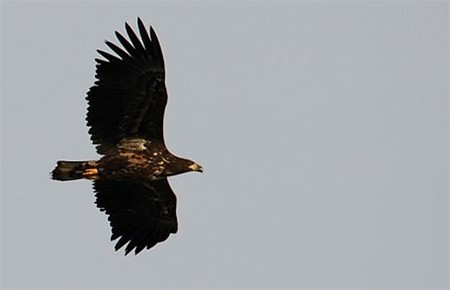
(322, 128)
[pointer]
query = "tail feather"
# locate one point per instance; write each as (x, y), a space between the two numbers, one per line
(72, 170)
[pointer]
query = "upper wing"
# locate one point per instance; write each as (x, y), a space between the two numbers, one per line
(141, 214)
(129, 96)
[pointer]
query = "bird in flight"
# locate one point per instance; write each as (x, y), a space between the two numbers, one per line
(125, 114)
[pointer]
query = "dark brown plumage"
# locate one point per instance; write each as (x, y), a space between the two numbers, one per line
(125, 116)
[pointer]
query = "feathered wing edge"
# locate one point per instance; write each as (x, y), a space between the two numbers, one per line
(141, 214)
(147, 46)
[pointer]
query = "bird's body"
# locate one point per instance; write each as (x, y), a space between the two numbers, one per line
(125, 115)
(136, 159)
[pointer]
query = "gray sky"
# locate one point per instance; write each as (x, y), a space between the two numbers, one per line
(322, 128)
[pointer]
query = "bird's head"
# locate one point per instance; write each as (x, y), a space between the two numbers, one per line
(181, 165)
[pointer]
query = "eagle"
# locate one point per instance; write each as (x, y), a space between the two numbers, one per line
(125, 114)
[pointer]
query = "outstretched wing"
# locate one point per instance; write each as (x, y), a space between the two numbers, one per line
(129, 96)
(140, 214)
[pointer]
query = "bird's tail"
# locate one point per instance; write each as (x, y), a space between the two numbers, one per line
(71, 170)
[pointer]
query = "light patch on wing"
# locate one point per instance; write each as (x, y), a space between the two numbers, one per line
(133, 144)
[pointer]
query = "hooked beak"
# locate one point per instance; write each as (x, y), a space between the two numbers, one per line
(196, 167)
